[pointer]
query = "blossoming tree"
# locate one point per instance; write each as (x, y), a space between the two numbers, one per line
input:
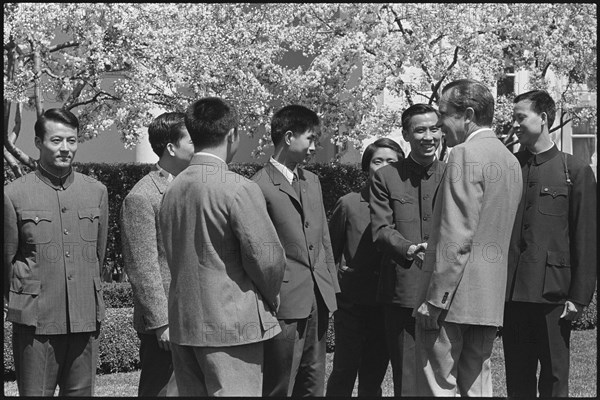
(112, 63)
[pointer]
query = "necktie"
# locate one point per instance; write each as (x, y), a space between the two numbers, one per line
(296, 186)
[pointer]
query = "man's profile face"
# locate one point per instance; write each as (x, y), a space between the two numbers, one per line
(57, 148)
(526, 123)
(452, 123)
(302, 146)
(424, 135)
(183, 149)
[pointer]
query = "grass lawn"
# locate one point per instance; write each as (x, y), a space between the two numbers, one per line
(582, 381)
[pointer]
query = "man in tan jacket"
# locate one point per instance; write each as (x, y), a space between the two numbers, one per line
(460, 303)
(226, 263)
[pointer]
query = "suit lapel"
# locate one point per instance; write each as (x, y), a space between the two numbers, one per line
(283, 185)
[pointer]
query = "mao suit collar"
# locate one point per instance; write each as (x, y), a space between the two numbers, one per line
(55, 182)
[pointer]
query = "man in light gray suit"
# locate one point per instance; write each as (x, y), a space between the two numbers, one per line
(226, 263)
(144, 254)
(460, 302)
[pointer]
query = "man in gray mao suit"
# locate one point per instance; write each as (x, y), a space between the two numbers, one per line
(144, 255)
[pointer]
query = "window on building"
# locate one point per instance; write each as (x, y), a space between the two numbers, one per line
(584, 139)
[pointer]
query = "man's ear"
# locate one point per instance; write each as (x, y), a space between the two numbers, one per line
(405, 134)
(170, 150)
(287, 137)
(38, 142)
(232, 135)
(469, 115)
(544, 118)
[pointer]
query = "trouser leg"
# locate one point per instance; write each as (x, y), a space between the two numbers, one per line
(375, 357)
(554, 353)
(78, 376)
(348, 349)
(400, 340)
(188, 374)
(474, 373)
(519, 339)
(310, 379)
(157, 367)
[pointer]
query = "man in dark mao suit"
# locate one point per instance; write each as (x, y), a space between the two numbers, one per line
(295, 359)
(552, 259)
(401, 220)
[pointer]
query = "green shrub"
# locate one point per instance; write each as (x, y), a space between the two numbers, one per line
(9, 364)
(119, 343)
(117, 294)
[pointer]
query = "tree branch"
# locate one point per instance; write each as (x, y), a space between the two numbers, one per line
(545, 70)
(89, 101)
(436, 87)
(37, 90)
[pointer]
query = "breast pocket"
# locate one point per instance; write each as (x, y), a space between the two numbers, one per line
(554, 200)
(88, 223)
(406, 208)
(37, 226)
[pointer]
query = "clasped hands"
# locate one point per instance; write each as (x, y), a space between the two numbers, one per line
(417, 252)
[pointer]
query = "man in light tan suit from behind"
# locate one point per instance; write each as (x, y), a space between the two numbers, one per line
(460, 302)
(226, 263)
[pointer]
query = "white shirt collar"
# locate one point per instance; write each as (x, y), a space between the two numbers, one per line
(202, 153)
(289, 174)
(476, 132)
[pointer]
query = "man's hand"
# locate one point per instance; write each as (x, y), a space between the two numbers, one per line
(572, 311)
(162, 336)
(417, 252)
(427, 316)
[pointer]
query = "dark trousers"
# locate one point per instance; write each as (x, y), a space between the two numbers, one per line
(400, 338)
(157, 367)
(535, 332)
(360, 349)
(44, 361)
(295, 358)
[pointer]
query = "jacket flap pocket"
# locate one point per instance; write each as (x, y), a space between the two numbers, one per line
(559, 259)
(554, 191)
(402, 198)
(26, 286)
(89, 213)
(36, 216)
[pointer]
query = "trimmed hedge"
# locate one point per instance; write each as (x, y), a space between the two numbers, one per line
(117, 294)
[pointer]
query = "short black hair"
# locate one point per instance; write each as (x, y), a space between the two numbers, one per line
(372, 148)
(59, 115)
(295, 118)
(166, 128)
(208, 120)
(416, 109)
(541, 101)
(464, 93)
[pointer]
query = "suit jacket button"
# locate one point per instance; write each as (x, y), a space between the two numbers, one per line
(311, 247)
(426, 236)
(306, 224)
